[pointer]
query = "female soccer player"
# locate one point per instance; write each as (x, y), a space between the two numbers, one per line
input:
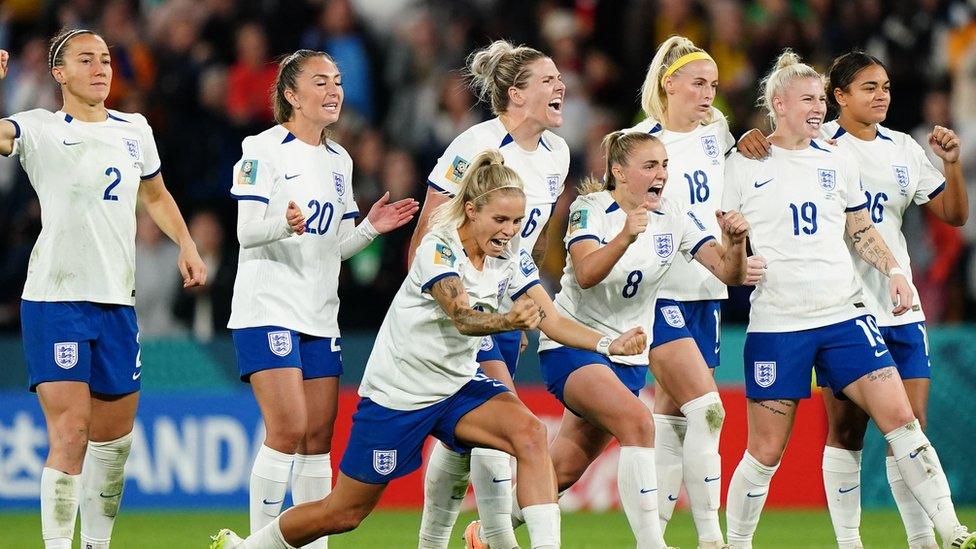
(285, 302)
(895, 173)
(622, 239)
(677, 98)
(89, 166)
(526, 94)
(810, 311)
(422, 378)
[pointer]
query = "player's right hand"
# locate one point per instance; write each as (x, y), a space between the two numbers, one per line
(636, 223)
(755, 270)
(4, 57)
(753, 144)
(295, 218)
(525, 314)
(632, 342)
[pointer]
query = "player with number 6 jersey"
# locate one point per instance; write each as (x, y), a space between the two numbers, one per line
(296, 224)
(89, 166)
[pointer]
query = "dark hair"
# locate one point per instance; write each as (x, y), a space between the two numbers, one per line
(844, 70)
(55, 53)
(288, 69)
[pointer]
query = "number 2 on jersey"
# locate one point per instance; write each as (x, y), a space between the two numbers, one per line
(319, 211)
(116, 176)
(698, 186)
(804, 218)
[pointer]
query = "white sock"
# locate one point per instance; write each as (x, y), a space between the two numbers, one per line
(669, 436)
(637, 484)
(491, 476)
(922, 473)
(269, 481)
(311, 480)
(268, 537)
(842, 483)
(702, 463)
(747, 495)
(542, 520)
(445, 483)
(60, 493)
(918, 525)
(102, 479)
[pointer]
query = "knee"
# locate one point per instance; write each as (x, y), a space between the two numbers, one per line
(317, 442)
(922, 418)
(847, 436)
(70, 435)
(769, 453)
(529, 438)
(348, 519)
(637, 428)
(286, 436)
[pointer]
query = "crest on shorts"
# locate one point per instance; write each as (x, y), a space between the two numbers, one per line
(672, 315)
(487, 343)
(384, 461)
(553, 181)
(525, 263)
(132, 147)
(340, 183)
(664, 245)
(827, 179)
(765, 373)
(66, 354)
(280, 342)
(901, 176)
(710, 145)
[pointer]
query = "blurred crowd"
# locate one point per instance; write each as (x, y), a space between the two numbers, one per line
(201, 71)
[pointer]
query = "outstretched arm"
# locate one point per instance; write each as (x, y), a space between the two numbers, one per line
(570, 333)
(166, 214)
(8, 131)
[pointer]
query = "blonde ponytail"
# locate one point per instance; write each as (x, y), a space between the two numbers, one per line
(653, 99)
(498, 67)
(787, 70)
(486, 176)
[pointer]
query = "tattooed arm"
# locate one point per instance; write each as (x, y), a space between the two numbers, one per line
(870, 247)
(450, 295)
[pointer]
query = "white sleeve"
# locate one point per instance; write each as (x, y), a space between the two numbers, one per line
(585, 222)
(446, 175)
(27, 129)
(253, 174)
(856, 199)
(254, 230)
(731, 194)
(526, 276)
(352, 238)
(434, 260)
(693, 235)
(151, 165)
(931, 182)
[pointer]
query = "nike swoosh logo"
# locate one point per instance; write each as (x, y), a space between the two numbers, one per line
(457, 497)
(712, 479)
(102, 494)
(70, 144)
(266, 502)
(751, 495)
(672, 498)
(881, 353)
(648, 490)
(914, 454)
(136, 375)
(758, 184)
(497, 480)
(851, 489)
(292, 176)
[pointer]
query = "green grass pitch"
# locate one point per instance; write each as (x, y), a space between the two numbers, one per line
(395, 529)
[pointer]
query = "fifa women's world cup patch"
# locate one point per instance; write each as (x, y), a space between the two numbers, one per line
(457, 169)
(443, 255)
(249, 173)
(577, 221)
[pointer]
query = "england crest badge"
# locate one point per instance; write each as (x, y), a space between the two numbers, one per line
(664, 245)
(765, 373)
(710, 145)
(280, 342)
(827, 179)
(66, 354)
(901, 176)
(384, 461)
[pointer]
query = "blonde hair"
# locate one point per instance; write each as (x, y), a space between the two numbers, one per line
(653, 99)
(487, 175)
(498, 67)
(617, 147)
(787, 70)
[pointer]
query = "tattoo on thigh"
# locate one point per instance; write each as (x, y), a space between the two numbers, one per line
(777, 407)
(883, 374)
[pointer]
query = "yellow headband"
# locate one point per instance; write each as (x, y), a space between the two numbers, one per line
(684, 60)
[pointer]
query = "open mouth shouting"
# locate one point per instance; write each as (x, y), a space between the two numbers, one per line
(497, 245)
(556, 105)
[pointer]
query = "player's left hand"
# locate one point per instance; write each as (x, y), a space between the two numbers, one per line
(192, 267)
(733, 224)
(755, 270)
(901, 294)
(945, 144)
(385, 216)
(630, 343)
(523, 343)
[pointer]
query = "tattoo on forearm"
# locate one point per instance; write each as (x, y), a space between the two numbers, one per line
(883, 374)
(447, 292)
(872, 248)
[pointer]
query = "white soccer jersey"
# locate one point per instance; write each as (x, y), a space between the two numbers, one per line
(797, 203)
(87, 176)
(419, 357)
(625, 298)
(293, 282)
(543, 171)
(696, 178)
(895, 172)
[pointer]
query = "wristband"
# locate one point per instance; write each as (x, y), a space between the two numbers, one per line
(603, 346)
(896, 271)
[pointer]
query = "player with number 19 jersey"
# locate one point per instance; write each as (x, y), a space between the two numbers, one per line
(696, 168)
(543, 171)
